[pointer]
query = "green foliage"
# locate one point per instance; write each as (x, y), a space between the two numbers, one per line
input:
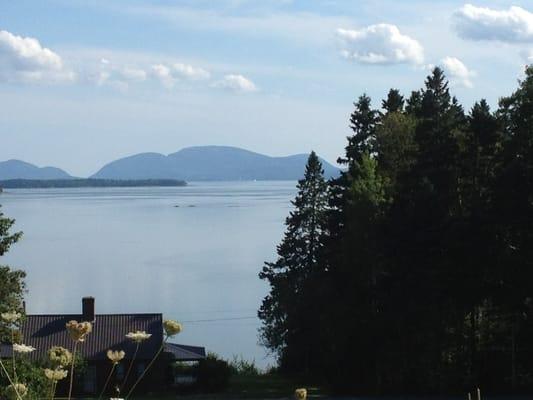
(240, 366)
(12, 285)
(282, 310)
(213, 374)
(7, 238)
(31, 374)
(424, 272)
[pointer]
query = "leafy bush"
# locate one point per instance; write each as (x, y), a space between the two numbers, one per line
(32, 376)
(213, 373)
(241, 367)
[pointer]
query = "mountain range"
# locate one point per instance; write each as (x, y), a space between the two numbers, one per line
(16, 169)
(201, 163)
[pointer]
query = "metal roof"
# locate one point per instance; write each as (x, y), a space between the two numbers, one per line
(109, 330)
(181, 352)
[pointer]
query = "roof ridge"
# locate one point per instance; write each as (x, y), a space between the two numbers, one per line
(103, 314)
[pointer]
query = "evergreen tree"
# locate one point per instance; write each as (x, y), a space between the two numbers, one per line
(363, 124)
(394, 102)
(285, 310)
(424, 279)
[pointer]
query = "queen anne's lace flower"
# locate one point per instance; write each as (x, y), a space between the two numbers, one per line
(172, 327)
(22, 348)
(55, 374)
(59, 356)
(138, 336)
(300, 394)
(79, 330)
(11, 317)
(115, 356)
(13, 392)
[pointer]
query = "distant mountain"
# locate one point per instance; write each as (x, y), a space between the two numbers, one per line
(210, 163)
(16, 169)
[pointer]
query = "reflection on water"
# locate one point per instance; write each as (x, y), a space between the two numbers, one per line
(192, 253)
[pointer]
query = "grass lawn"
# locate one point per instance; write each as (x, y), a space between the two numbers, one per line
(266, 386)
(245, 387)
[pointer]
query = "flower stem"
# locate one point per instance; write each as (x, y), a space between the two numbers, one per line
(9, 379)
(147, 368)
(13, 354)
(54, 385)
(130, 366)
(72, 370)
(107, 380)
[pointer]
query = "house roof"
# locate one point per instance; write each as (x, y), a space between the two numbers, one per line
(109, 330)
(181, 352)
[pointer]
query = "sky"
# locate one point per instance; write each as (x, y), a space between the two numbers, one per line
(85, 82)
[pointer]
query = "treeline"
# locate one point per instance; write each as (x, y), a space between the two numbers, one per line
(78, 183)
(413, 271)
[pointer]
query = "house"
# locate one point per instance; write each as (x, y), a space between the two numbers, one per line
(109, 330)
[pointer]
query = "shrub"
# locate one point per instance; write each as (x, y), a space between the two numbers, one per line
(241, 367)
(213, 374)
(32, 376)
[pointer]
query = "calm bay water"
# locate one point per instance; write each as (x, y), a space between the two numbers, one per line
(192, 253)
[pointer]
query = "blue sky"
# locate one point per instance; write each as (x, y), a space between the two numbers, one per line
(85, 82)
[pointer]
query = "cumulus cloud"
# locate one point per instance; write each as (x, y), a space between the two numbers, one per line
(380, 44)
(236, 83)
(23, 59)
(190, 72)
(458, 72)
(133, 74)
(163, 74)
(115, 75)
(168, 75)
(480, 23)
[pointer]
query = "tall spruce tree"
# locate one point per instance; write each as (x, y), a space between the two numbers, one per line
(353, 261)
(285, 310)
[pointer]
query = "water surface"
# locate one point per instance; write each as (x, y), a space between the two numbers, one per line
(192, 253)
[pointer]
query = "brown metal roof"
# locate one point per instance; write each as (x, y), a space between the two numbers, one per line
(109, 330)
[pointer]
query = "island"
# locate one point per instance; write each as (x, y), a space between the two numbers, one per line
(90, 182)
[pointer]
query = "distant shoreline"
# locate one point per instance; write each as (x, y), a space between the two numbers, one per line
(86, 183)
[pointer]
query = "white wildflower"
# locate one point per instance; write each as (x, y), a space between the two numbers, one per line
(22, 348)
(138, 336)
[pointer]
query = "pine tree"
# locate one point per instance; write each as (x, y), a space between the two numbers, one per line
(285, 311)
(363, 124)
(394, 102)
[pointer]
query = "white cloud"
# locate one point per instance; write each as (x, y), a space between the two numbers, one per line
(115, 75)
(480, 23)
(458, 72)
(380, 44)
(133, 74)
(163, 74)
(169, 74)
(236, 83)
(23, 59)
(190, 72)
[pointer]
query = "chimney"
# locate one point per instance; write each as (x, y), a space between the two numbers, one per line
(87, 306)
